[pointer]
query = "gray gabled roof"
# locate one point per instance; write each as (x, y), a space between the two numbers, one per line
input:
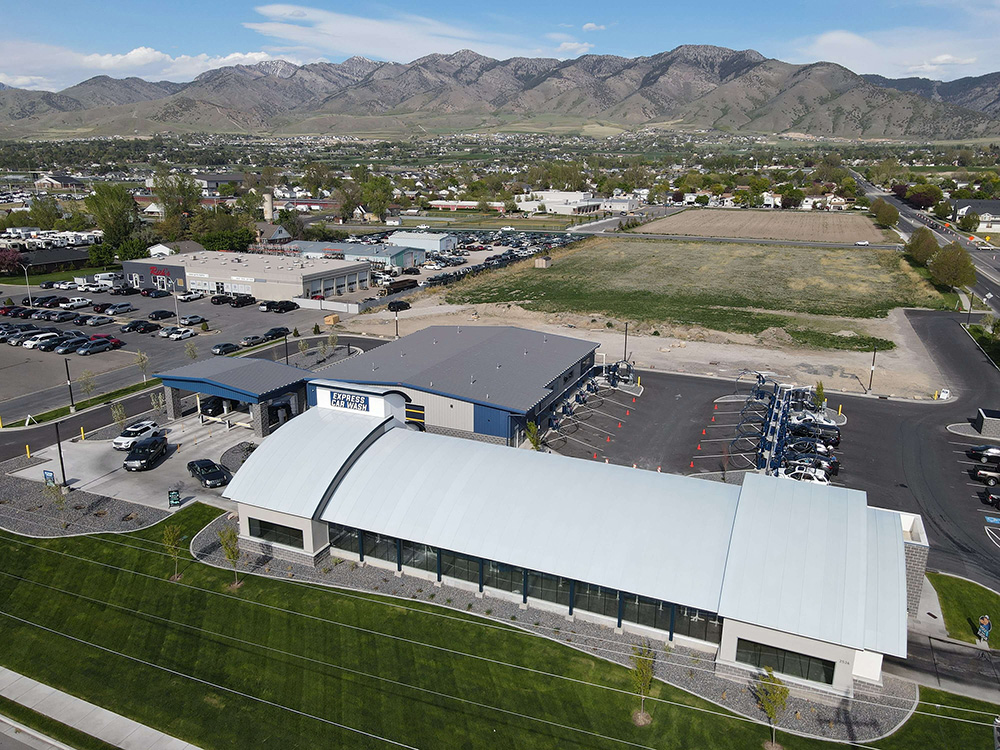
(501, 366)
(247, 378)
(978, 205)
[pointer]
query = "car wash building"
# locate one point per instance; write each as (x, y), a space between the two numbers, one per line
(806, 579)
(479, 382)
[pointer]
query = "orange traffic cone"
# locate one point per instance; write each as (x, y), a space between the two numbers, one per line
(692, 464)
(716, 407)
(619, 425)
(609, 439)
(633, 399)
(699, 446)
(628, 413)
(703, 432)
(713, 417)
(595, 455)
(657, 469)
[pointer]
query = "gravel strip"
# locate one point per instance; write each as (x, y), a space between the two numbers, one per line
(817, 715)
(27, 508)
(233, 458)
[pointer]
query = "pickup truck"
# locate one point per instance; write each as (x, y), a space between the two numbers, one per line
(989, 477)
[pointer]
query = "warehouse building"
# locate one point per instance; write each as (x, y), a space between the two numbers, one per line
(263, 276)
(431, 242)
(806, 579)
(379, 255)
(480, 382)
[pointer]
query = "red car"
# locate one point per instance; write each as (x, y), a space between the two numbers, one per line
(102, 306)
(5, 310)
(116, 343)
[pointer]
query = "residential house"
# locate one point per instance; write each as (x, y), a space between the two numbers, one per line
(271, 234)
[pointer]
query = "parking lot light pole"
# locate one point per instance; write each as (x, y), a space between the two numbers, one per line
(397, 324)
(62, 467)
(69, 384)
(286, 348)
(872, 376)
(177, 312)
(26, 266)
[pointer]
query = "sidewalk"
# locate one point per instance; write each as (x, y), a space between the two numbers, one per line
(86, 717)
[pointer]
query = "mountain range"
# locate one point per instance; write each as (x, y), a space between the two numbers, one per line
(688, 87)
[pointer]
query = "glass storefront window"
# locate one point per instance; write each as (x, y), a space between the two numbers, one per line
(550, 588)
(273, 532)
(382, 547)
(597, 599)
(344, 537)
(786, 662)
(503, 577)
(460, 566)
(419, 556)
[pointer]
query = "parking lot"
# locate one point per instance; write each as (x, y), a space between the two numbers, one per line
(94, 466)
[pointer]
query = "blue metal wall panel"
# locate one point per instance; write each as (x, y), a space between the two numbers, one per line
(490, 421)
(310, 394)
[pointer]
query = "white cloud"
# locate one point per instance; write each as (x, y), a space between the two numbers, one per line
(593, 27)
(34, 65)
(399, 37)
(575, 48)
(900, 52)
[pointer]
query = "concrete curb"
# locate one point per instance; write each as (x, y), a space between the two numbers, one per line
(31, 732)
(969, 334)
(959, 429)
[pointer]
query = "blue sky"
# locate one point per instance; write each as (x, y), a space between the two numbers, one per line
(56, 43)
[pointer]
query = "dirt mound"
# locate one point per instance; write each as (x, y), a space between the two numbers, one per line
(774, 335)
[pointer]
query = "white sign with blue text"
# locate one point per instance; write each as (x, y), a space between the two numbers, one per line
(351, 401)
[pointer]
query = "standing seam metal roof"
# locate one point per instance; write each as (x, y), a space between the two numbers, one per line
(251, 377)
(501, 366)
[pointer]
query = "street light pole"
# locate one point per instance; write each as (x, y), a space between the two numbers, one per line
(397, 324)
(972, 299)
(871, 378)
(173, 290)
(26, 266)
(69, 384)
(62, 467)
(286, 348)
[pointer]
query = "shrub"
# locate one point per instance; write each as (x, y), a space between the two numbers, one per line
(295, 332)
(315, 329)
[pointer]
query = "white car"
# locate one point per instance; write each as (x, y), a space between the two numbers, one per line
(39, 338)
(100, 320)
(423, 226)
(75, 303)
(804, 474)
(189, 296)
(808, 417)
(181, 333)
(66, 285)
(169, 331)
(134, 433)
(192, 320)
(862, 243)
(507, 229)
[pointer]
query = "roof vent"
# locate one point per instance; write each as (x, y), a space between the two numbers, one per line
(498, 365)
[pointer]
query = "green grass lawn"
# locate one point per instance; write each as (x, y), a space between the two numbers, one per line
(990, 346)
(962, 603)
(722, 286)
(297, 623)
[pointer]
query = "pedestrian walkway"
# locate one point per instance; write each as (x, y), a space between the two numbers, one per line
(85, 717)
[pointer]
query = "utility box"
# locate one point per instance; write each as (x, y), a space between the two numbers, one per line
(988, 423)
(543, 262)
(331, 320)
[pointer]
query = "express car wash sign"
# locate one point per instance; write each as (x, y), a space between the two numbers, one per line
(349, 401)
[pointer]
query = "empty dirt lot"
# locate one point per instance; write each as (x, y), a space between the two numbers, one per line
(792, 226)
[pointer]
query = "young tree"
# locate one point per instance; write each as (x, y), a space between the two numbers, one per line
(142, 362)
(922, 245)
(324, 349)
(191, 351)
(643, 660)
(158, 402)
(969, 222)
(331, 341)
(55, 493)
(230, 541)
(534, 437)
(118, 414)
(303, 347)
(114, 210)
(87, 383)
(172, 541)
(772, 697)
(177, 194)
(952, 266)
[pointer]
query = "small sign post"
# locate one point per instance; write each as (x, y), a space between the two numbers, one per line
(985, 626)
(50, 478)
(173, 498)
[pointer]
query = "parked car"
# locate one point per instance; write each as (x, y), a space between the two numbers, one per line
(145, 453)
(985, 454)
(75, 303)
(33, 341)
(51, 344)
(209, 473)
(82, 320)
(160, 314)
(144, 326)
(809, 417)
(119, 308)
(989, 477)
(70, 346)
(829, 435)
(265, 305)
(190, 296)
(275, 333)
(123, 289)
(398, 305)
(221, 299)
(252, 340)
(192, 320)
(40, 314)
(158, 293)
(182, 333)
(100, 320)
(213, 406)
(225, 348)
(65, 285)
(242, 300)
(283, 306)
(53, 302)
(46, 285)
(169, 331)
(804, 474)
(116, 343)
(63, 316)
(95, 347)
(134, 433)
(101, 307)
(862, 243)
(19, 338)
(37, 300)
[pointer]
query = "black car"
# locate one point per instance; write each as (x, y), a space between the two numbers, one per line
(101, 307)
(82, 320)
(829, 435)
(412, 271)
(157, 293)
(275, 333)
(145, 453)
(131, 326)
(242, 300)
(160, 314)
(985, 454)
(145, 326)
(225, 348)
(36, 301)
(209, 473)
(123, 290)
(52, 302)
(398, 305)
(51, 344)
(46, 285)
(283, 306)
(24, 312)
(213, 406)
(221, 299)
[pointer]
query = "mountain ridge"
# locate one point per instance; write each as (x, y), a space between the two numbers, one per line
(690, 86)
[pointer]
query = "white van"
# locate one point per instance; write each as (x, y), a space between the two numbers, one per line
(109, 277)
(39, 338)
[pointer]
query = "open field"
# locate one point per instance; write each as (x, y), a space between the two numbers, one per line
(724, 287)
(98, 618)
(793, 226)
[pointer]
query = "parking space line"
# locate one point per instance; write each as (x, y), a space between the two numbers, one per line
(576, 440)
(721, 455)
(584, 424)
(952, 442)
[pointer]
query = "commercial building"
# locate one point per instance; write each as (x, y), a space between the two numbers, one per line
(263, 276)
(213, 180)
(480, 382)
(806, 579)
(432, 242)
(58, 181)
(563, 202)
(379, 255)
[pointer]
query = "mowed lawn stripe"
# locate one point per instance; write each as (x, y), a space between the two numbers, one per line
(217, 719)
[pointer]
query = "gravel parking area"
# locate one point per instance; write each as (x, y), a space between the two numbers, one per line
(27, 508)
(873, 713)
